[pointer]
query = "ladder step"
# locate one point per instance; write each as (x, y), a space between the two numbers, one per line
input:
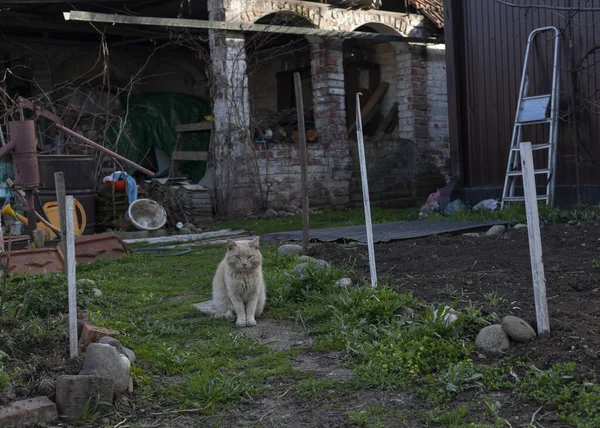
(533, 147)
(537, 171)
(536, 97)
(533, 122)
(521, 198)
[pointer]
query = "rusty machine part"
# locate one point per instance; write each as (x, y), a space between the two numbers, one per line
(22, 143)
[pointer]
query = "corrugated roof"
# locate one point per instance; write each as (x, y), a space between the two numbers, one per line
(432, 9)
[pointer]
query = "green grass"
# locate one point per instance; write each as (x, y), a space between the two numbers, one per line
(340, 218)
(207, 363)
(189, 361)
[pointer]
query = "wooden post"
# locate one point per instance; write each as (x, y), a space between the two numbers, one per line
(303, 160)
(61, 194)
(535, 240)
(365, 189)
(69, 250)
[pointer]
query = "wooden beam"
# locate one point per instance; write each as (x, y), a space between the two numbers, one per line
(535, 239)
(189, 156)
(238, 27)
(192, 127)
(454, 28)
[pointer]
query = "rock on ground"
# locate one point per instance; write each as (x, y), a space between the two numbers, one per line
(496, 230)
(520, 226)
(316, 264)
(107, 340)
(73, 392)
(82, 282)
(105, 361)
(289, 250)
(492, 339)
(471, 235)
(37, 410)
(518, 329)
(343, 283)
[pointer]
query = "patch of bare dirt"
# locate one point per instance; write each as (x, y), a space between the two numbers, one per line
(494, 273)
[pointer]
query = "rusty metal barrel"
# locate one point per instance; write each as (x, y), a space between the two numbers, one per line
(24, 156)
(80, 182)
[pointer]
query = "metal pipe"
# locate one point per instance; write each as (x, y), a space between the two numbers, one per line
(103, 149)
(7, 149)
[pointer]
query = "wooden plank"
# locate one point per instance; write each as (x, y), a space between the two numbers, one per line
(189, 156)
(535, 239)
(192, 127)
(238, 27)
(372, 106)
(388, 120)
(61, 194)
(303, 160)
(69, 245)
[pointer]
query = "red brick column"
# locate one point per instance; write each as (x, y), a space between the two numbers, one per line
(330, 115)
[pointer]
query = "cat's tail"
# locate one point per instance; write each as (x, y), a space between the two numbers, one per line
(228, 316)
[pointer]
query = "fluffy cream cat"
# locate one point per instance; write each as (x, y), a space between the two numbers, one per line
(238, 286)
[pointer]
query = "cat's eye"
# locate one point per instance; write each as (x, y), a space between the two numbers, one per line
(238, 257)
(250, 257)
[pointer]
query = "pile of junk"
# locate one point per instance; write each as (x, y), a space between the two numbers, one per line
(32, 183)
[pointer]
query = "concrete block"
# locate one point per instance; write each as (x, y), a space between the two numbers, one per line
(73, 392)
(27, 412)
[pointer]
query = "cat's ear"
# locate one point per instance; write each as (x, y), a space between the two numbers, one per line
(231, 244)
(254, 242)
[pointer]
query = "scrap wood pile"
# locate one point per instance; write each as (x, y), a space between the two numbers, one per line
(183, 201)
(282, 127)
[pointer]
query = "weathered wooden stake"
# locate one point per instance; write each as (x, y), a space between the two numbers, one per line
(365, 189)
(535, 240)
(303, 160)
(69, 247)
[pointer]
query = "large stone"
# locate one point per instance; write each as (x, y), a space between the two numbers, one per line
(492, 340)
(107, 340)
(73, 392)
(271, 213)
(92, 334)
(83, 282)
(343, 283)
(518, 329)
(496, 230)
(316, 264)
(520, 226)
(289, 250)
(105, 361)
(37, 410)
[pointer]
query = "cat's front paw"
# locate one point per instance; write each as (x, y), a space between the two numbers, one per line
(251, 323)
(240, 323)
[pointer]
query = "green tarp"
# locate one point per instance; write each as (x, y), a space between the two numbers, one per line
(151, 121)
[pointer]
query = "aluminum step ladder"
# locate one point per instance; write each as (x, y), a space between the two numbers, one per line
(535, 110)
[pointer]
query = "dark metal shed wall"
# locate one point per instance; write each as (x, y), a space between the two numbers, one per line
(490, 51)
